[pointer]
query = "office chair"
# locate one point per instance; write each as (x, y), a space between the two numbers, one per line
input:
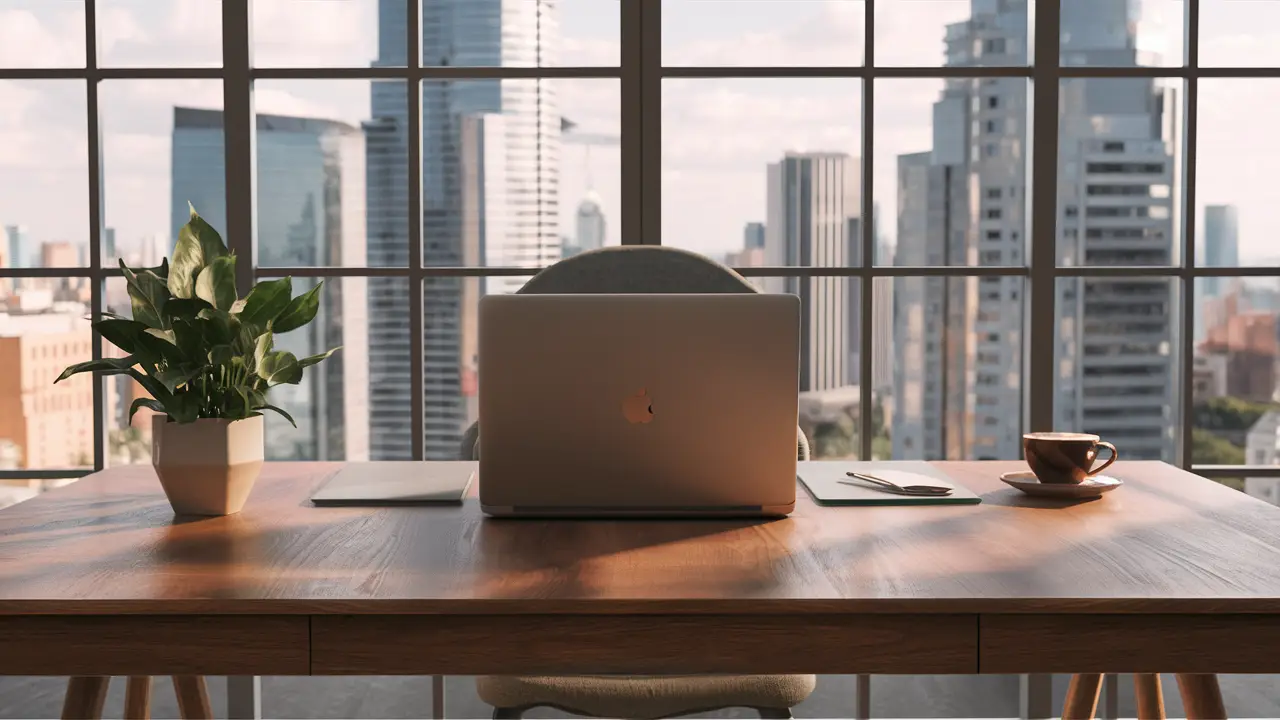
(640, 269)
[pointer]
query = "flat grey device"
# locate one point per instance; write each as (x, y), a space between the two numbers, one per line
(397, 483)
(638, 405)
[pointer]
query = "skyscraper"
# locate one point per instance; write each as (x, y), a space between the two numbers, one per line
(490, 152)
(753, 236)
(310, 203)
(1219, 247)
(958, 388)
(591, 224)
(814, 200)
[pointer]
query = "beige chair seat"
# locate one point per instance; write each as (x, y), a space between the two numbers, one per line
(645, 696)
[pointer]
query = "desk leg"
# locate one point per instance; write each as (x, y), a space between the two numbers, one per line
(862, 698)
(244, 697)
(137, 698)
(1149, 696)
(85, 698)
(193, 697)
(1082, 696)
(1201, 696)
(437, 697)
(1111, 697)
(1036, 699)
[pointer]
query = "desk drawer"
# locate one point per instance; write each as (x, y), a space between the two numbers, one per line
(642, 644)
(154, 645)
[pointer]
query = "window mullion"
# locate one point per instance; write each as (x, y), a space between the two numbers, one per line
(238, 129)
(413, 145)
(96, 284)
(1187, 320)
(1041, 328)
(866, 286)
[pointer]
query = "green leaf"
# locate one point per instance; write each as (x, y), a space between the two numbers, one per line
(309, 361)
(139, 403)
(161, 270)
(301, 310)
(183, 407)
(284, 414)
(280, 367)
(105, 366)
(174, 377)
(184, 308)
(265, 301)
(190, 340)
(198, 246)
(220, 355)
(147, 294)
(121, 333)
(216, 284)
(262, 347)
(218, 327)
(160, 345)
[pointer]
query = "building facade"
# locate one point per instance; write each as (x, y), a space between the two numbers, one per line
(310, 213)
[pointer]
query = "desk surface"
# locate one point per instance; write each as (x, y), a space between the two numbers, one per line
(1167, 542)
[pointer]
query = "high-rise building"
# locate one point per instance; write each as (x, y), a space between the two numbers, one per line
(20, 252)
(310, 213)
(958, 388)
(814, 200)
(753, 236)
(109, 246)
(490, 152)
(590, 223)
(1219, 247)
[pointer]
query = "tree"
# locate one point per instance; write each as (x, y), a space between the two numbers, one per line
(1210, 449)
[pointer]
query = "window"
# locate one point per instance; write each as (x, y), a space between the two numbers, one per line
(343, 196)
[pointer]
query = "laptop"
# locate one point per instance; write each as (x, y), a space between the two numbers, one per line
(638, 405)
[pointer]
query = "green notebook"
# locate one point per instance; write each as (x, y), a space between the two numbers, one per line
(822, 480)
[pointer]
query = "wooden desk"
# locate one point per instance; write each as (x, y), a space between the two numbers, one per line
(1172, 573)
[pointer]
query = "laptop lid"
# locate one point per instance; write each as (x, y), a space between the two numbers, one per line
(638, 403)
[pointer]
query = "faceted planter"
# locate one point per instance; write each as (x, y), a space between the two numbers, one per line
(209, 466)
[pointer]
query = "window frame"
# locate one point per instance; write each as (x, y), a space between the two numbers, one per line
(640, 73)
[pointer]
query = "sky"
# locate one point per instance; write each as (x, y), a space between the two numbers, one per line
(718, 134)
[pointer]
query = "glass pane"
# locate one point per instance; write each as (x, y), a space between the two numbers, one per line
(929, 33)
(938, 142)
(785, 153)
(1106, 33)
(43, 425)
(954, 367)
(762, 33)
(1117, 363)
(1238, 34)
(162, 148)
(516, 173)
(331, 405)
(328, 33)
(144, 33)
(529, 33)
(830, 362)
(128, 443)
(44, 175)
(315, 141)
(1235, 139)
(41, 34)
(1117, 195)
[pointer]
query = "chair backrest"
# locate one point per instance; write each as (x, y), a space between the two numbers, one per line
(640, 269)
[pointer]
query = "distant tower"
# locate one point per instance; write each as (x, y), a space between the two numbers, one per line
(591, 224)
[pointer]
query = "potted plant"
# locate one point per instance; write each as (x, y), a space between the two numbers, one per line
(205, 356)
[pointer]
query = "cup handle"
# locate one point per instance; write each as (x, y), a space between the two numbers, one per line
(1107, 464)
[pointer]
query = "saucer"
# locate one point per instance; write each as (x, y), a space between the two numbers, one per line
(1092, 487)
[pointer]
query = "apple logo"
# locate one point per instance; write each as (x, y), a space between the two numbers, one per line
(638, 408)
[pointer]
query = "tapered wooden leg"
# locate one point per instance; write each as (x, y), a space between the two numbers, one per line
(137, 698)
(85, 697)
(193, 697)
(1149, 696)
(1082, 696)
(1201, 696)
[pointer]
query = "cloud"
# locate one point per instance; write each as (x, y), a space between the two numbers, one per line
(49, 37)
(315, 33)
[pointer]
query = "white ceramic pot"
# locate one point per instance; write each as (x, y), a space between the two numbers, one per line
(209, 466)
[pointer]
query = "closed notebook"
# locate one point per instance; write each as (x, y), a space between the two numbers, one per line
(397, 483)
(823, 479)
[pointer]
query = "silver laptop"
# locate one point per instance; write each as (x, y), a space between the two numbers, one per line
(649, 405)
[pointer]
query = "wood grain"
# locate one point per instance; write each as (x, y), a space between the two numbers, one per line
(1148, 696)
(1201, 697)
(1168, 542)
(86, 697)
(1132, 643)
(1082, 697)
(153, 645)
(193, 697)
(467, 645)
(137, 698)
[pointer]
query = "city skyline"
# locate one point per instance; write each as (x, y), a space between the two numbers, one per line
(1234, 123)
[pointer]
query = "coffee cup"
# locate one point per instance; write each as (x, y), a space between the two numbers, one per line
(1061, 457)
